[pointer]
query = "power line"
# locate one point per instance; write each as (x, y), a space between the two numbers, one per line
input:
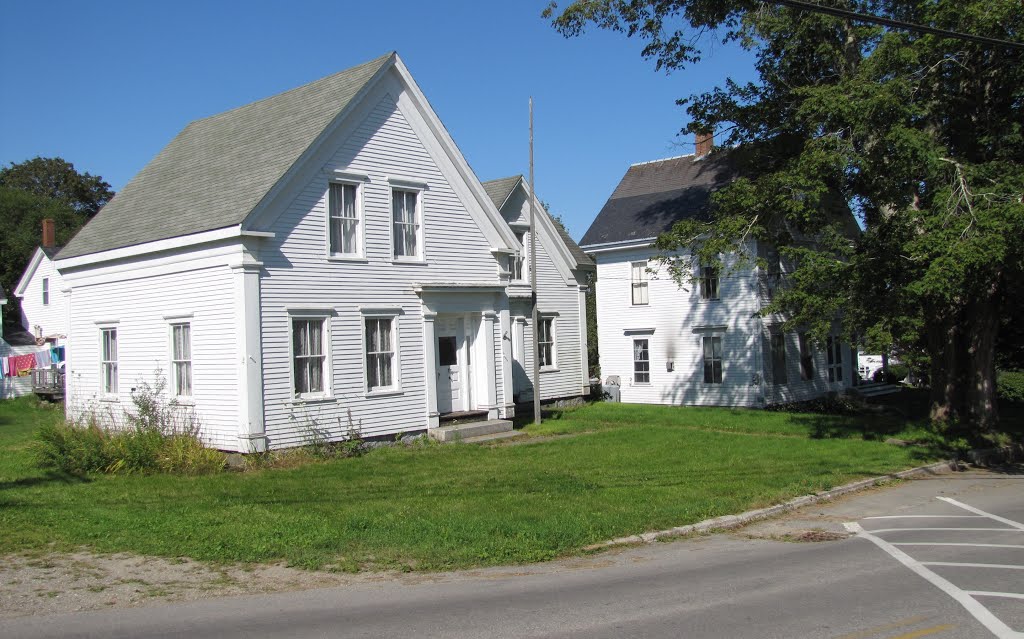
(896, 24)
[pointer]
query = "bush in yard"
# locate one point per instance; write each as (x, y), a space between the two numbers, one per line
(158, 437)
(1010, 386)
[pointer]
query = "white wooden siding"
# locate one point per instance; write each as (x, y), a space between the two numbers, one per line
(139, 297)
(674, 321)
(52, 317)
(385, 145)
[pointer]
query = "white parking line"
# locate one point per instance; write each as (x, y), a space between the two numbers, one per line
(926, 517)
(983, 593)
(1008, 522)
(946, 543)
(978, 611)
(878, 530)
(959, 565)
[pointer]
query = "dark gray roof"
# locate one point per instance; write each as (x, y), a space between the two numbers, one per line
(219, 168)
(499, 190)
(50, 251)
(653, 196)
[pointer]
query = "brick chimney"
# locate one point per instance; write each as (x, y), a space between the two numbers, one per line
(705, 142)
(49, 234)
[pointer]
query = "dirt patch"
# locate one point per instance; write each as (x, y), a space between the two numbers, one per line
(57, 583)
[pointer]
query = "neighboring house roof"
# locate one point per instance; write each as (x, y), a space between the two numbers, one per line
(499, 191)
(219, 168)
(653, 196)
(3, 295)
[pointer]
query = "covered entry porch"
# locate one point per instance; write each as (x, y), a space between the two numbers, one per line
(466, 354)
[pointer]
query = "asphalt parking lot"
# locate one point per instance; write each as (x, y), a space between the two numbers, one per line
(973, 555)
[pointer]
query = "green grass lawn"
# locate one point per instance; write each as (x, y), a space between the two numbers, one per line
(614, 470)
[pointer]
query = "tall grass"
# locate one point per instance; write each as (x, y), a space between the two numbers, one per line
(156, 435)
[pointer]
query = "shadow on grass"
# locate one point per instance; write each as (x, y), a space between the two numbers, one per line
(45, 479)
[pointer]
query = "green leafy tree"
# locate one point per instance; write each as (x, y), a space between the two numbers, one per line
(56, 178)
(921, 136)
(21, 218)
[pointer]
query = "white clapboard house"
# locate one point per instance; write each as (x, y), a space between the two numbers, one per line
(703, 344)
(40, 292)
(320, 260)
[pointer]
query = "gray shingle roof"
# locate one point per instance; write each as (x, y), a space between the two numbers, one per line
(653, 196)
(219, 168)
(499, 190)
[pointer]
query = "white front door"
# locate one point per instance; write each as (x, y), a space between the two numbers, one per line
(449, 346)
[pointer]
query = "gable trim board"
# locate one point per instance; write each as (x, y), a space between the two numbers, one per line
(273, 260)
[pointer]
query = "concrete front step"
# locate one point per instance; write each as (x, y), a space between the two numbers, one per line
(462, 432)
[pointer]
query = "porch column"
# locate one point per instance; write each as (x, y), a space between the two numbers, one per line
(252, 435)
(430, 367)
(491, 390)
(505, 328)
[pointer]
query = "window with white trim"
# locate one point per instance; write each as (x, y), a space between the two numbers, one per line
(517, 261)
(778, 351)
(806, 357)
(343, 219)
(309, 356)
(641, 361)
(709, 282)
(181, 359)
(639, 283)
(380, 354)
(834, 358)
(712, 359)
(108, 359)
(405, 223)
(546, 341)
(46, 291)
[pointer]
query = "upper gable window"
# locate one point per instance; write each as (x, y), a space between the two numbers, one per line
(46, 291)
(517, 260)
(406, 231)
(709, 282)
(344, 220)
(639, 277)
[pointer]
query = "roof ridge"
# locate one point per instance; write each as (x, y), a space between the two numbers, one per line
(377, 60)
(674, 157)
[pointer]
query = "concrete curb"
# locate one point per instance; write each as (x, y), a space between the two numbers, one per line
(727, 522)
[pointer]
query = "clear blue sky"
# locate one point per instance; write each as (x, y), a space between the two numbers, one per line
(106, 85)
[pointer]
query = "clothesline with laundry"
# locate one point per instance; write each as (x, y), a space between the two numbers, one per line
(21, 365)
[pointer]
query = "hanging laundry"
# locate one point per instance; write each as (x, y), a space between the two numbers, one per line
(22, 364)
(42, 359)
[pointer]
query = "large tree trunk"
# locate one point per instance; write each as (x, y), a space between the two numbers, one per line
(980, 332)
(946, 364)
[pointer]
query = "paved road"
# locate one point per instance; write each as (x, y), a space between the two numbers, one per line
(739, 585)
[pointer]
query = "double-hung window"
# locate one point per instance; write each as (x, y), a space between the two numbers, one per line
(778, 351)
(108, 359)
(709, 282)
(517, 260)
(380, 354)
(181, 359)
(639, 283)
(546, 342)
(834, 357)
(343, 219)
(46, 291)
(712, 359)
(641, 361)
(406, 228)
(806, 357)
(309, 356)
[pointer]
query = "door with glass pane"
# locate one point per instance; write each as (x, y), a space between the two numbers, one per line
(449, 383)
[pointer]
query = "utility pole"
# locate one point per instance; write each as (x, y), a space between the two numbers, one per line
(533, 282)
